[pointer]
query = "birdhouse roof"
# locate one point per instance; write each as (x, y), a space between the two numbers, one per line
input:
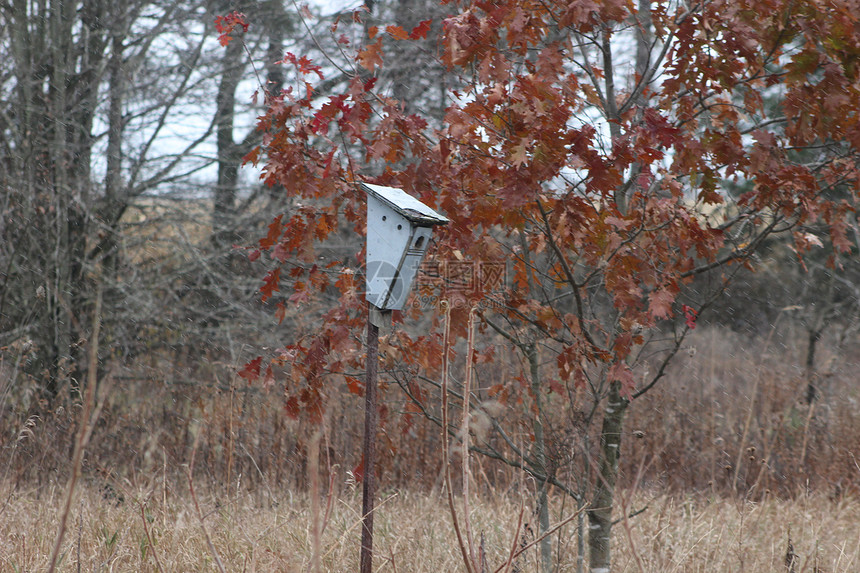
(405, 204)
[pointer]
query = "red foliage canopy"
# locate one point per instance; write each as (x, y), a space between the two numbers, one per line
(727, 121)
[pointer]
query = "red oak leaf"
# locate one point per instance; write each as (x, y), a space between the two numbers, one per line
(690, 316)
(271, 283)
(251, 371)
(226, 24)
(419, 32)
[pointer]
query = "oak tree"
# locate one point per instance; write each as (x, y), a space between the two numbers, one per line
(609, 152)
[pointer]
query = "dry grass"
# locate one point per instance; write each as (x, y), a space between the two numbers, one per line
(725, 400)
(258, 532)
(730, 416)
(693, 534)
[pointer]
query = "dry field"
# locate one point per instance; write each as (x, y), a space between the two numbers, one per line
(733, 472)
(152, 529)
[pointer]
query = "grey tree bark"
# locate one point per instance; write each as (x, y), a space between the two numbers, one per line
(57, 54)
(232, 145)
(78, 74)
(540, 457)
(600, 510)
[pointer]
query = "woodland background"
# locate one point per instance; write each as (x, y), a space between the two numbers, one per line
(124, 202)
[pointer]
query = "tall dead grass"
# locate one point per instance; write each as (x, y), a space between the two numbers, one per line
(726, 399)
(731, 417)
(413, 533)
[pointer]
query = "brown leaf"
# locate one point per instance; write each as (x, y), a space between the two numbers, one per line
(397, 32)
(370, 57)
(660, 303)
(251, 371)
(271, 283)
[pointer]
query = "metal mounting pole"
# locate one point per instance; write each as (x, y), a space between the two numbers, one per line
(369, 479)
(399, 228)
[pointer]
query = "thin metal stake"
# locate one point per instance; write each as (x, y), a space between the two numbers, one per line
(368, 477)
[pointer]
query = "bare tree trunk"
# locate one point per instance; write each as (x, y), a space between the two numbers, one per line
(540, 456)
(232, 149)
(228, 154)
(63, 57)
(580, 541)
(600, 511)
(114, 202)
(814, 335)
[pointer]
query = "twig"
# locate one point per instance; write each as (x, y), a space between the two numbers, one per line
(140, 504)
(391, 558)
(626, 520)
(314, 478)
(348, 530)
(538, 539)
(806, 434)
(467, 389)
(445, 454)
(331, 476)
(197, 508)
(751, 410)
(630, 515)
(80, 534)
(164, 487)
(259, 471)
(89, 413)
(513, 553)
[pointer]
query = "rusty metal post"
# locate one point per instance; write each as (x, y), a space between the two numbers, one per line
(368, 478)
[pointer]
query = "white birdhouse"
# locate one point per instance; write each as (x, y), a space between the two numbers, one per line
(399, 227)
